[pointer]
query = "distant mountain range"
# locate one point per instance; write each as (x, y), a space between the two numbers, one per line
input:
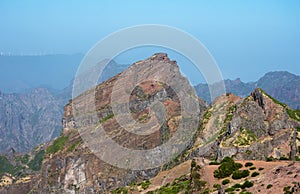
(28, 119)
(33, 116)
(282, 85)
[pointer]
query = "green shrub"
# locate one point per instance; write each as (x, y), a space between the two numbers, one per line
(5, 165)
(73, 146)
(229, 189)
(214, 163)
(283, 158)
(252, 168)
(269, 186)
(197, 184)
(260, 168)
(36, 163)
(238, 174)
(238, 165)
(245, 192)
(227, 159)
(248, 164)
(106, 118)
(270, 159)
(193, 163)
(23, 159)
(145, 184)
(247, 184)
(57, 145)
(206, 191)
(237, 185)
(294, 114)
(195, 175)
(248, 152)
(174, 188)
(226, 168)
(207, 115)
(225, 182)
(203, 183)
(217, 186)
(254, 174)
(287, 190)
(120, 191)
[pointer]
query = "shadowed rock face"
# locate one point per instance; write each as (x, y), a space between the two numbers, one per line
(258, 97)
(29, 119)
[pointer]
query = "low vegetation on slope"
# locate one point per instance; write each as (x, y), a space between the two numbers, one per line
(57, 145)
(226, 168)
(36, 163)
(21, 165)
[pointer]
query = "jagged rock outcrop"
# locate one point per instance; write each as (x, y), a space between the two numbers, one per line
(258, 97)
(257, 127)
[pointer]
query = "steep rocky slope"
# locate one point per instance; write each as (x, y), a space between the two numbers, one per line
(69, 165)
(28, 119)
(257, 127)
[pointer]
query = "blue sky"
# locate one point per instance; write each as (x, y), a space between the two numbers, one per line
(247, 38)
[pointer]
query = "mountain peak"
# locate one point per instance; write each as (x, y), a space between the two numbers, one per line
(161, 57)
(277, 78)
(277, 73)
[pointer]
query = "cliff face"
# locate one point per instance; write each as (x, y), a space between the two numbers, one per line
(29, 119)
(255, 128)
(75, 168)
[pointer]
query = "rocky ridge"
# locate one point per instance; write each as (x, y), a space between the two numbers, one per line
(256, 128)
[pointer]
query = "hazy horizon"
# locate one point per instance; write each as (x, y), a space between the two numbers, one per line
(247, 39)
(16, 77)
